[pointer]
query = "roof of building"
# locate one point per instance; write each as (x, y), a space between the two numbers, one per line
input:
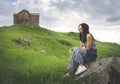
(24, 10)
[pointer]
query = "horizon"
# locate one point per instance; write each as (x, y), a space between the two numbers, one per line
(98, 35)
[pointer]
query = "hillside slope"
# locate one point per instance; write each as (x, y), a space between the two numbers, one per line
(40, 56)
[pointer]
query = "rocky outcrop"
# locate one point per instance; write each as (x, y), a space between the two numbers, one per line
(104, 71)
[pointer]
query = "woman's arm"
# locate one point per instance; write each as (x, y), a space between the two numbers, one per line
(81, 44)
(89, 42)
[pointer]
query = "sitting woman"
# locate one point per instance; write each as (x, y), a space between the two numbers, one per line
(87, 51)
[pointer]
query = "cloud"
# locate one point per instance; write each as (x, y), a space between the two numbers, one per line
(113, 19)
(5, 8)
(64, 14)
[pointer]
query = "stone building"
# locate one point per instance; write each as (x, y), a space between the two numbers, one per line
(26, 18)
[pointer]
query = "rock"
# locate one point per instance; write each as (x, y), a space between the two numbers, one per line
(42, 52)
(18, 41)
(66, 43)
(28, 41)
(104, 71)
(73, 34)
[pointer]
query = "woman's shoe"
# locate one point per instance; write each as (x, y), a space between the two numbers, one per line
(80, 70)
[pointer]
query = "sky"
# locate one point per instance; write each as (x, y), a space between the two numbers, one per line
(102, 16)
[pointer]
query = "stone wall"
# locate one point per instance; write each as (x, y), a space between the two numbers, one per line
(26, 18)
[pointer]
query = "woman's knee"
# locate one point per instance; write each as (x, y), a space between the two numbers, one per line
(75, 49)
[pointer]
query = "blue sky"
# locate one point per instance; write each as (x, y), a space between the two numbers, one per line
(66, 15)
(11, 0)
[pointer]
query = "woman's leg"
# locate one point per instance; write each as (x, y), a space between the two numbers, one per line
(80, 53)
(76, 59)
(73, 65)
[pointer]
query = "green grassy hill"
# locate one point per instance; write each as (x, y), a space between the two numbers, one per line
(42, 61)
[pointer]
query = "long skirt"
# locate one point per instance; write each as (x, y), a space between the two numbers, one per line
(80, 56)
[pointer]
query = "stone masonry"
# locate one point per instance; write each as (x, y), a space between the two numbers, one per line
(26, 18)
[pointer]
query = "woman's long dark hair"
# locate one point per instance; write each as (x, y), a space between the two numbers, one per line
(84, 33)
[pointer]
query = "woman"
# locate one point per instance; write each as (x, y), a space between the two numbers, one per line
(87, 51)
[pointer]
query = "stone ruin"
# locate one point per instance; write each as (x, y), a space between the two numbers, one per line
(26, 18)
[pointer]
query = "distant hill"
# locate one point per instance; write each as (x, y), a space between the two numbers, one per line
(40, 56)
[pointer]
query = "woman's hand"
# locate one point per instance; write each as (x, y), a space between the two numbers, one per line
(84, 48)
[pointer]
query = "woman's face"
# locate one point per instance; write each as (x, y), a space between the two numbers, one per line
(80, 29)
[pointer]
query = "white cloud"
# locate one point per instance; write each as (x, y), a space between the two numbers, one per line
(64, 11)
(4, 20)
(107, 36)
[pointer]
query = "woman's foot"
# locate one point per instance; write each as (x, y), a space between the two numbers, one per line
(80, 69)
(67, 74)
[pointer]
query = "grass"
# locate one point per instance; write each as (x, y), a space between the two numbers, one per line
(24, 64)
